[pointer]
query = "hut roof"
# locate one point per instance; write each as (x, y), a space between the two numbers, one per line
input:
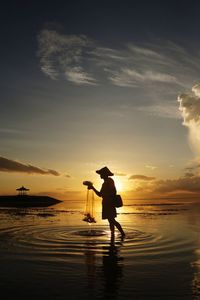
(22, 189)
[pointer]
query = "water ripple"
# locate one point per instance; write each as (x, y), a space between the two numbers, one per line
(62, 242)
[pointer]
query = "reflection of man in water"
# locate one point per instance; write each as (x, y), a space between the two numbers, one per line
(90, 260)
(104, 281)
(112, 270)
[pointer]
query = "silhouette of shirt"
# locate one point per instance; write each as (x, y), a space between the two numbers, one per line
(108, 191)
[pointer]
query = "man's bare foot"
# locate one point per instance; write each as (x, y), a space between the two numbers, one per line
(123, 235)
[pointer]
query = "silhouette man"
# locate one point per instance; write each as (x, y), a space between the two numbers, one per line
(107, 192)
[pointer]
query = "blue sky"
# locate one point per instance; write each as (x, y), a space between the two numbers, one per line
(94, 83)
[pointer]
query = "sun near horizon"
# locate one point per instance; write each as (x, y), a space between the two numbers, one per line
(78, 95)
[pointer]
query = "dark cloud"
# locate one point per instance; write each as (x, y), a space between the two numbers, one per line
(141, 177)
(193, 167)
(189, 174)
(68, 176)
(188, 184)
(9, 165)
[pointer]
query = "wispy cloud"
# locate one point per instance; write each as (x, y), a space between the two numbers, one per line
(63, 55)
(141, 177)
(128, 66)
(162, 63)
(145, 52)
(150, 167)
(79, 77)
(9, 165)
(156, 70)
(104, 53)
(131, 78)
(163, 110)
(120, 174)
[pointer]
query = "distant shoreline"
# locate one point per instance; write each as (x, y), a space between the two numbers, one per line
(27, 201)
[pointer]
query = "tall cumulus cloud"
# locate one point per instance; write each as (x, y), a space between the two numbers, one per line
(190, 109)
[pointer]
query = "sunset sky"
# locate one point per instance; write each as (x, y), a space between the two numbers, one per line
(88, 84)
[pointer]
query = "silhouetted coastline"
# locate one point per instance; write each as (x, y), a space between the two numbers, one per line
(27, 201)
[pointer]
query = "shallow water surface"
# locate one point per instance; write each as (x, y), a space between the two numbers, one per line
(51, 253)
